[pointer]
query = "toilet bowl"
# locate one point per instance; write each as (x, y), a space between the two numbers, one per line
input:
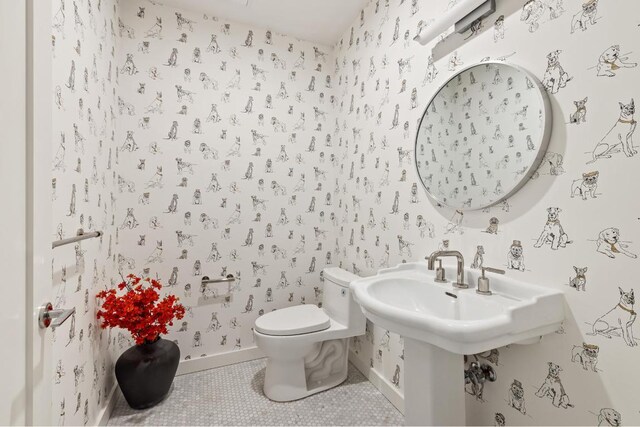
(307, 347)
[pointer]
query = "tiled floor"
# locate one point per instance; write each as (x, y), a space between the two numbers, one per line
(232, 395)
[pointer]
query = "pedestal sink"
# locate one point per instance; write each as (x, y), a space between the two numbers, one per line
(441, 323)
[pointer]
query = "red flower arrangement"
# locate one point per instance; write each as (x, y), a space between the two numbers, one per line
(140, 309)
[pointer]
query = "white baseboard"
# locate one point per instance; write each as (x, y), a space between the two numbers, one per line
(388, 390)
(105, 413)
(218, 360)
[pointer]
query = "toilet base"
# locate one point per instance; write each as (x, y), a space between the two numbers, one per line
(324, 367)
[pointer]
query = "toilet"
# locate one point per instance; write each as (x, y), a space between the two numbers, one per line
(307, 347)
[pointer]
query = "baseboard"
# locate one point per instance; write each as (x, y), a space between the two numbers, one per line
(105, 413)
(218, 360)
(387, 389)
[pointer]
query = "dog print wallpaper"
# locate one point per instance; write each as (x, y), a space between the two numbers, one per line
(225, 165)
(204, 148)
(574, 226)
(83, 194)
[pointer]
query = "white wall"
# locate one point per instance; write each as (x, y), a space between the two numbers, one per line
(371, 88)
(12, 164)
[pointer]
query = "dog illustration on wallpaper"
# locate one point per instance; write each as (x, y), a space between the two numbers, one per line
(183, 166)
(129, 143)
(156, 30)
(619, 320)
(610, 61)
(587, 186)
(609, 243)
(515, 256)
(609, 417)
(156, 105)
(156, 255)
(493, 226)
(129, 67)
(173, 58)
(478, 259)
(173, 204)
(130, 221)
(125, 263)
(431, 72)
(184, 238)
(516, 397)
(579, 282)
(552, 388)
(184, 22)
(552, 164)
(535, 12)
(553, 232)
(126, 185)
(620, 136)
(126, 107)
(555, 77)
(580, 115)
(586, 355)
(588, 15)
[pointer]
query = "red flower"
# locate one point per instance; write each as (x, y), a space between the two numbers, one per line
(139, 310)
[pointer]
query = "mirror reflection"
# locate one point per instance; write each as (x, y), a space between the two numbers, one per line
(482, 136)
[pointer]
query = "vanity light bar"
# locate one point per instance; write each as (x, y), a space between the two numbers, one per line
(462, 15)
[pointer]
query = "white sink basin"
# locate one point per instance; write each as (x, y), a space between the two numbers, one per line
(441, 323)
(405, 299)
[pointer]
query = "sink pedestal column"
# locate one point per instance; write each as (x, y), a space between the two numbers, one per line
(433, 385)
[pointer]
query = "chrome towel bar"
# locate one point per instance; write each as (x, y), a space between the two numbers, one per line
(229, 278)
(80, 235)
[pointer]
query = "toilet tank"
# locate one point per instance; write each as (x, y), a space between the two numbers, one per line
(338, 302)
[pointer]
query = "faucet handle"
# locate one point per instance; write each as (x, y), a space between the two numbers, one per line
(483, 282)
(440, 274)
(492, 270)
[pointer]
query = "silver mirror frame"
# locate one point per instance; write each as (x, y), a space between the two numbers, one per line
(542, 148)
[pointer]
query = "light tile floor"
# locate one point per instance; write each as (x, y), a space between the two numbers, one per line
(232, 395)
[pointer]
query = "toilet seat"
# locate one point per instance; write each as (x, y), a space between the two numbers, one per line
(296, 320)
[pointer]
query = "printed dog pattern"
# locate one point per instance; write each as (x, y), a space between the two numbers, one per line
(620, 136)
(586, 17)
(587, 186)
(368, 98)
(515, 257)
(586, 355)
(619, 320)
(535, 12)
(580, 115)
(609, 417)
(555, 77)
(553, 232)
(357, 146)
(610, 61)
(609, 243)
(516, 397)
(579, 282)
(552, 388)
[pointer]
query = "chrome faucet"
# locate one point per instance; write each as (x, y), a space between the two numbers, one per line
(431, 259)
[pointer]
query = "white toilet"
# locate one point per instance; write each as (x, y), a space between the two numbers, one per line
(307, 347)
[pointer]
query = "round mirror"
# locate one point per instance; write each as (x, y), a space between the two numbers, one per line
(482, 136)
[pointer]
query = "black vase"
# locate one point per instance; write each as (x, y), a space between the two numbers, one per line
(145, 372)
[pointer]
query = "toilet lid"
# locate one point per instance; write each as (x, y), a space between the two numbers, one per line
(299, 319)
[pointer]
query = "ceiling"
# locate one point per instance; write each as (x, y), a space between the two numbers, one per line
(320, 21)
